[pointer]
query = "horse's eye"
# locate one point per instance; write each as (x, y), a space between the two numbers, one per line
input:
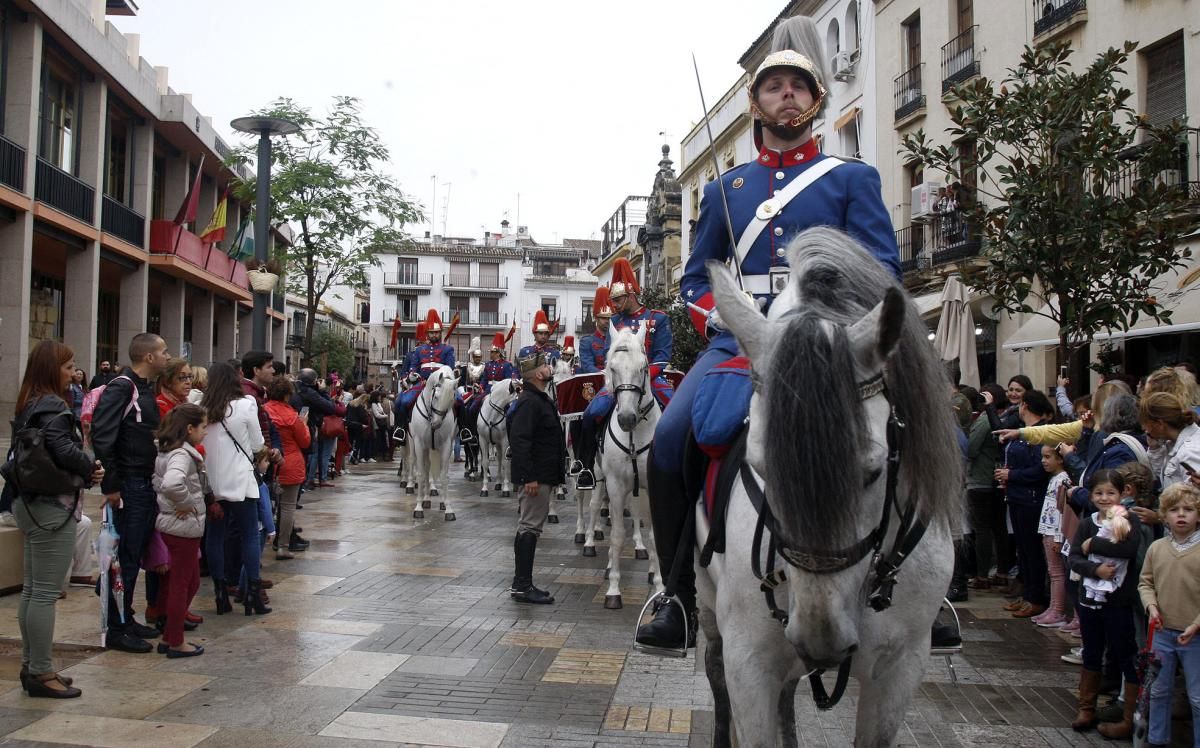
(872, 477)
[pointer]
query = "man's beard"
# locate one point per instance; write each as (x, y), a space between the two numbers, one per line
(785, 133)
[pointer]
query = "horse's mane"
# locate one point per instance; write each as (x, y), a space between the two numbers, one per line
(623, 342)
(816, 416)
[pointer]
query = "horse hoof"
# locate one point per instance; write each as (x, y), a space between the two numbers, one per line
(499, 486)
(612, 602)
(650, 578)
(426, 504)
(598, 534)
(562, 496)
(641, 554)
(442, 505)
(410, 490)
(450, 516)
(433, 492)
(589, 550)
(418, 514)
(505, 494)
(483, 493)
(607, 572)
(552, 519)
(579, 538)
(626, 513)
(608, 521)
(603, 511)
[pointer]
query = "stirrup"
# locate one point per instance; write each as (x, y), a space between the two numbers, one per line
(948, 652)
(465, 436)
(665, 599)
(575, 469)
(581, 480)
(400, 436)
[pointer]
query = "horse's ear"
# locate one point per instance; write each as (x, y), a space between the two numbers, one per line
(876, 335)
(739, 312)
(641, 335)
(612, 330)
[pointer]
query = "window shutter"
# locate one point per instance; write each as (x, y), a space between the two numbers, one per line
(1166, 93)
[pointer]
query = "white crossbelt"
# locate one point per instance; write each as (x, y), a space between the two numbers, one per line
(756, 226)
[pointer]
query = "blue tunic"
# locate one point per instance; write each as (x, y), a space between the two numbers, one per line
(551, 351)
(425, 358)
(496, 371)
(593, 352)
(658, 334)
(848, 198)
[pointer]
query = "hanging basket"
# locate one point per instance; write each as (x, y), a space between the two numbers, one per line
(262, 281)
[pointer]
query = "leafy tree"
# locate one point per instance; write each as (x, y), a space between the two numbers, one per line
(686, 342)
(338, 353)
(328, 182)
(1081, 212)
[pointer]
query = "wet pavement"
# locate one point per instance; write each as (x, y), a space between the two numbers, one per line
(394, 631)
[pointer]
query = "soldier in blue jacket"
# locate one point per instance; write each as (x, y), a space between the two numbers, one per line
(434, 353)
(542, 330)
(623, 292)
(765, 211)
(497, 369)
(593, 349)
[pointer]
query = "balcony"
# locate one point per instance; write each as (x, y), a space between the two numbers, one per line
(1184, 173)
(295, 341)
(959, 61)
(585, 326)
(12, 164)
(277, 301)
(1053, 14)
(480, 319)
(389, 316)
(123, 222)
(945, 239)
(405, 279)
(909, 95)
(467, 283)
(60, 190)
(168, 239)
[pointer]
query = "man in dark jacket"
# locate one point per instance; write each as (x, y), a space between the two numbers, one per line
(122, 435)
(538, 457)
(319, 405)
(103, 377)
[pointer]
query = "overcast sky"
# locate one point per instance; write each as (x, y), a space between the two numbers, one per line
(560, 102)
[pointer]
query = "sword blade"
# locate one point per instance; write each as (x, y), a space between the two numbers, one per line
(712, 149)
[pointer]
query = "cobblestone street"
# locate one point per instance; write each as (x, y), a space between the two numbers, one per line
(391, 631)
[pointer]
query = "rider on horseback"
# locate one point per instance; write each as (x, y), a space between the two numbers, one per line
(542, 330)
(593, 349)
(497, 370)
(568, 354)
(423, 360)
(786, 93)
(623, 293)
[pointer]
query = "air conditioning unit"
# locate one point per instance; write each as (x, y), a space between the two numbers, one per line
(924, 200)
(843, 66)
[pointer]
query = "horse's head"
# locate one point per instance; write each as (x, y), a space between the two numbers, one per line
(440, 389)
(507, 391)
(627, 375)
(818, 437)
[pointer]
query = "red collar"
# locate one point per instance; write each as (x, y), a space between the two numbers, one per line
(799, 155)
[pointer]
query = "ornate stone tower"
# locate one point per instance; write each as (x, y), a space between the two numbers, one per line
(660, 239)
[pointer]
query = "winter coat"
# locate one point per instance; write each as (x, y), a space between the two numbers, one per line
(124, 442)
(230, 472)
(1103, 454)
(1027, 478)
(535, 435)
(1127, 593)
(180, 482)
(983, 452)
(295, 436)
(1167, 461)
(62, 439)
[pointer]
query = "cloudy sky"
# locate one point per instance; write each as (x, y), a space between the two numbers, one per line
(561, 102)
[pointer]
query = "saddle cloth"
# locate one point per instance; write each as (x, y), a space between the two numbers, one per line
(721, 406)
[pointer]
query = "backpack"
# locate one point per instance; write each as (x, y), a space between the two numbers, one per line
(92, 399)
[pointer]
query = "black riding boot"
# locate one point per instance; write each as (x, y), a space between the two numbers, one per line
(403, 416)
(524, 547)
(958, 582)
(669, 505)
(585, 455)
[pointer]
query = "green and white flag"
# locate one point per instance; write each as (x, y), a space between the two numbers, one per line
(242, 248)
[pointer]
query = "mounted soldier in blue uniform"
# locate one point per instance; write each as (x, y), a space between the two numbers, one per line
(423, 361)
(497, 369)
(786, 93)
(542, 330)
(623, 294)
(593, 349)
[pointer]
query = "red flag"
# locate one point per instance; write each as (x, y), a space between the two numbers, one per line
(191, 203)
(554, 325)
(511, 331)
(395, 332)
(450, 330)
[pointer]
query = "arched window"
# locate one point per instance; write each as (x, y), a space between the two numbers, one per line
(832, 39)
(853, 41)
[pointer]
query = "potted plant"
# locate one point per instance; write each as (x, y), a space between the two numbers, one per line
(264, 276)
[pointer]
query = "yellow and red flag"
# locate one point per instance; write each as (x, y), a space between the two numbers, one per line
(215, 231)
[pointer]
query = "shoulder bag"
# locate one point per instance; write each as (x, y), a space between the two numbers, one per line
(258, 477)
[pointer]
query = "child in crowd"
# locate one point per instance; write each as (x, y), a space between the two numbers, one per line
(1114, 526)
(1106, 623)
(1168, 590)
(180, 482)
(1050, 528)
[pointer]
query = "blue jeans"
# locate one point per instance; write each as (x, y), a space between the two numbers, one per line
(242, 516)
(135, 523)
(318, 457)
(1172, 653)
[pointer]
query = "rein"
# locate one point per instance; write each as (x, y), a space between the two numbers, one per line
(881, 581)
(433, 411)
(643, 412)
(492, 426)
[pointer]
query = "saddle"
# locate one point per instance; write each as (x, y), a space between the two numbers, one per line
(719, 476)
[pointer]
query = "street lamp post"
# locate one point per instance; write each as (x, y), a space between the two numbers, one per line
(265, 127)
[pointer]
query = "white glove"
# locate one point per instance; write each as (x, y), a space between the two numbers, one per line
(713, 321)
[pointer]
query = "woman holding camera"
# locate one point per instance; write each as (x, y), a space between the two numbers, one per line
(48, 518)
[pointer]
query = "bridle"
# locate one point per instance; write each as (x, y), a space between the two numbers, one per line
(493, 426)
(643, 412)
(433, 411)
(885, 567)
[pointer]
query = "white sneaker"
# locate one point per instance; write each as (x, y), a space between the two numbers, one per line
(7, 519)
(1074, 657)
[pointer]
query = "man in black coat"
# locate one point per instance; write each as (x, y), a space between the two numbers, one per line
(538, 457)
(319, 405)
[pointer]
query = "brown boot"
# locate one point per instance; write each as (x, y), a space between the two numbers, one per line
(1089, 689)
(1124, 729)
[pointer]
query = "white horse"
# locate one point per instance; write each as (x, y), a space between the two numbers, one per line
(493, 435)
(848, 425)
(623, 453)
(431, 440)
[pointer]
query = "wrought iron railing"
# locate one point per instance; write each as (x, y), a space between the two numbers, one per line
(946, 238)
(60, 190)
(909, 95)
(1182, 173)
(959, 61)
(277, 301)
(910, 242)
(123, 222)
(1052, 13)
(466, 281)
(12, 164)
(479, 319)
(389, 315)
(408, 279)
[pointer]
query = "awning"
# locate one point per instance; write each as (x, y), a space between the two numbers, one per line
(1176, 290)
(928, 303)
(846, 118)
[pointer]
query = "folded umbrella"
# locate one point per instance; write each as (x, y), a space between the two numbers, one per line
(110, 570)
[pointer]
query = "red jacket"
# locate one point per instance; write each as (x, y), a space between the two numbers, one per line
(293, 433)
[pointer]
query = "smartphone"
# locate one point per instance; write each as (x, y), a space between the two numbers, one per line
(304, 412)
(1062, 372)
(1191, 470)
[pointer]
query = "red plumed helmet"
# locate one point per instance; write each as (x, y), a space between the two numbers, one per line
(540, 322)
(601, 304)
(420, 332)
(624, 280)
(498, 341)
(569, 344)
(433, 323)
